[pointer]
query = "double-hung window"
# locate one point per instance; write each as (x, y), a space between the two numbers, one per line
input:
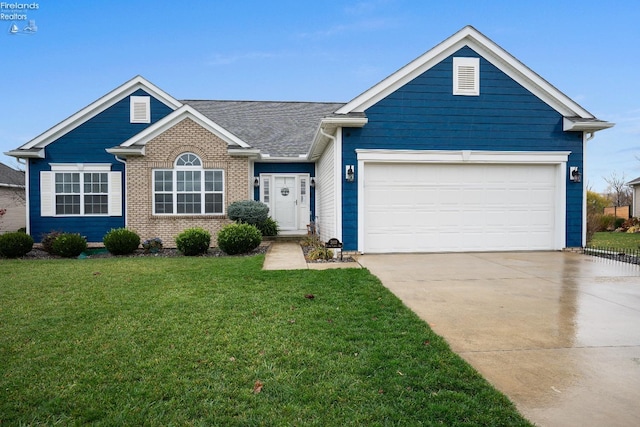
(80, 189)
(188, 188)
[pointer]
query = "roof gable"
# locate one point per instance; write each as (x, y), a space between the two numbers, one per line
(136, 144)
(97, 107)
(491, 52)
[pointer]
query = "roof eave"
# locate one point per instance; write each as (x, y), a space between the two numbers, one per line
(579, 125)
(244, 152)
(328, 125)
(124, 152)
(34, 153)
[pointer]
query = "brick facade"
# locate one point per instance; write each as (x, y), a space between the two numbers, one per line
(161, 153)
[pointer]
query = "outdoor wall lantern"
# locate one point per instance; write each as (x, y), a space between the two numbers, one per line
(574, 174)
(256, 181)
(349, 173)
(312, 183)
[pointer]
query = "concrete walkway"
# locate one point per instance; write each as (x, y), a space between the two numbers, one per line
(289, 256)
(558, 333)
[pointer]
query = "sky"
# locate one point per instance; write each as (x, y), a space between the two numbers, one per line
(310, 50)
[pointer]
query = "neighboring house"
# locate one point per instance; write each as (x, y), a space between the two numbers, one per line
(463, 149)
(635, 192)
(12, 199)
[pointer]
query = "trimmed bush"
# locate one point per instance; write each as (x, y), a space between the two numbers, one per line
(48, 239)
(69, 245)
(193, 241)
(248, 212)
(14, 245)
(239, 238)
(268, 227)
(121, 241)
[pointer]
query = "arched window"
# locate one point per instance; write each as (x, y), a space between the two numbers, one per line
(188, 188)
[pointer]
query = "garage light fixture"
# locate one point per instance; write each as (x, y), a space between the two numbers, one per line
(349, 173)
(312, 183)
(574, 174)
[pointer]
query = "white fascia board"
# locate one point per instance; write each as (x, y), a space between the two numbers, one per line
(489, 50)
(266, 158)
(244, 152)
(463, 156)
(575, 124)
(11, 185)
(37, 153)
(127, 151)
(182, 113)
(331, 124)
(99, 106)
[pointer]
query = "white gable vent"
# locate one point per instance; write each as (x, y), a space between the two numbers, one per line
(140, 109)
(466, 76)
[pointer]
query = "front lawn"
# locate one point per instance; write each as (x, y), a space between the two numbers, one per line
(610, 239)
(218, 341)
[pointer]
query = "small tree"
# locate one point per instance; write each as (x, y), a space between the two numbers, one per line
(619, 192)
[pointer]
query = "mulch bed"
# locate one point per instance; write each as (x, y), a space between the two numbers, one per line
(92, 253)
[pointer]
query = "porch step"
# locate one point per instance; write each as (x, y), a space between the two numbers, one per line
(286, 237)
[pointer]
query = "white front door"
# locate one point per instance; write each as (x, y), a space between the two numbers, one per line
(287, 196)
(285, 202)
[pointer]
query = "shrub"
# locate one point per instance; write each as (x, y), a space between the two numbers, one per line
(618, 223)
(69, 245)
(121, 241)
(248, 212)
(268, 227)
(48, 239)
(605, 222)
(239, 238)
(193, 241)
(14, 245)
(320, 253)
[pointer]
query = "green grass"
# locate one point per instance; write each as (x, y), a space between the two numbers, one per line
(183, 341)
(607, 239)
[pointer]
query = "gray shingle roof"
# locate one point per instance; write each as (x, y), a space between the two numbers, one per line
(10, 176)
(280, 129)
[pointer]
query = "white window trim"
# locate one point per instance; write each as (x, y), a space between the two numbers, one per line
(140, 109)
(174, 189)
(468, 65)
(48, 193)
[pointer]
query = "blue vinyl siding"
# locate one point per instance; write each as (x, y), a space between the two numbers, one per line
(86, 144)
(276, 168)
(425, 115)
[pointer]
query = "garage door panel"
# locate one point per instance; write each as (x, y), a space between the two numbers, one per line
(458, 207)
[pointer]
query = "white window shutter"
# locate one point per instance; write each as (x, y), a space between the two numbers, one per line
(140, 109)
(115, 193)
(47, 194)
(466, 76)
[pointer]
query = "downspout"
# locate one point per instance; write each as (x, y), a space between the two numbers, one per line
(124, 182)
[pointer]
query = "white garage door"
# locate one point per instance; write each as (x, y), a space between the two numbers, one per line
(458, 207)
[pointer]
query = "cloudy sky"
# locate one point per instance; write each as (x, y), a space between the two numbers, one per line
(309, 51)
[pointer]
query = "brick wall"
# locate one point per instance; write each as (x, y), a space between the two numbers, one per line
(161, 153)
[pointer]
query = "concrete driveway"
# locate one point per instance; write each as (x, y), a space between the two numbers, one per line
(559, 333)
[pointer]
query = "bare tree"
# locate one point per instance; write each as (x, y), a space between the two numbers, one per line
(618, 191)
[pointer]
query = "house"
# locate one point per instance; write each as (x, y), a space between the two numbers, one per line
(12, 199)
(635, 193)
(463, 149)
